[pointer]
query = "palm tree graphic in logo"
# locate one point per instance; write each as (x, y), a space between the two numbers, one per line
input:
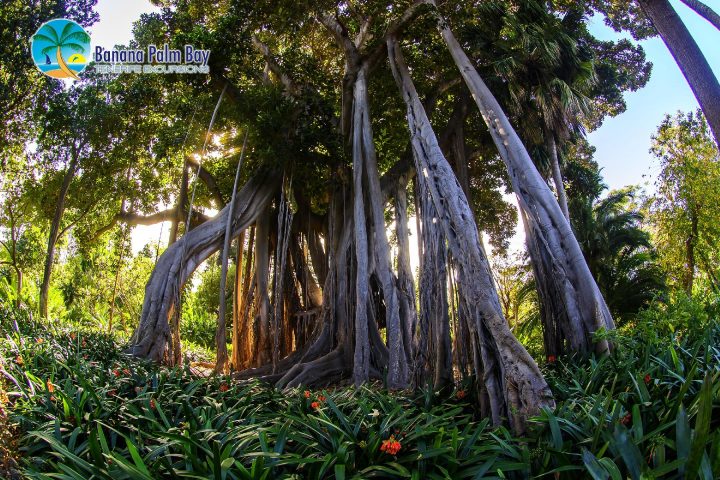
(66, 42)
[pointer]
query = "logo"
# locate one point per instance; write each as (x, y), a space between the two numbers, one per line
(59, 48)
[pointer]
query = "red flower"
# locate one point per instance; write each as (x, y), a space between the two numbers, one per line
(73, 336)
(19, 360)
(460, 394)
(50, 386)
(112, 393)
(224, 387)
(627, 419)
(315, 405)
(152, 403)
(321, 398)
(647, 379)
(127, 371)
(307, 393)
(551, 358)
(84, 343)
(116, 372)
(390, 446)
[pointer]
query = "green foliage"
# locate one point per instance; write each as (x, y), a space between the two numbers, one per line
(649, 410)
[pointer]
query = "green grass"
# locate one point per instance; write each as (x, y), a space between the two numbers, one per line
(649, 411)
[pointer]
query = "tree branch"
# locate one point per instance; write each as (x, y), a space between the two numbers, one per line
(208, 179)
(704, 11)
(290, 86)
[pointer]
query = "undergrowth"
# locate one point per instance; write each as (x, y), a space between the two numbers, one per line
(85, 410)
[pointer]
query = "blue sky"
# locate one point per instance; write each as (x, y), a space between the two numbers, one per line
(622, 142)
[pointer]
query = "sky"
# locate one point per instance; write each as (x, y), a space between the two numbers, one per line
(622, 142)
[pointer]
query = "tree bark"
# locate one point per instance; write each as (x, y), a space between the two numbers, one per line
(704, 11)
(54, 229)
(180, 206)
(263, 355)
(690, 252)
(515, 386)
(689, 58)
(568, 278)
(557, 174)
(177, 263)
(237, 302)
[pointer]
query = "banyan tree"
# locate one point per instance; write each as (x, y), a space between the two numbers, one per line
(324, 289)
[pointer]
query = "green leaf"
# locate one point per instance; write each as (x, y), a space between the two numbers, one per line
(597, 471)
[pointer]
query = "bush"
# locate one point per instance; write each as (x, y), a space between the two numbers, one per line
(650, 410)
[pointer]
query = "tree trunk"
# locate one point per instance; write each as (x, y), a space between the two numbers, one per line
(237, 303)
(557, 174)
(406, 284)
(512, 380)
(689, 58)
(177, 263)
(18, 300)
(361, 360)
(180, 206)
(263, 355)
(704, 11)
(53, 237)
(690, 252)
(568, 278)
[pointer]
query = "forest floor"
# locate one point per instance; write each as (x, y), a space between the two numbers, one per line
(77, 408)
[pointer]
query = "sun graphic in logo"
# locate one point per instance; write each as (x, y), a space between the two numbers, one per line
(58, 47)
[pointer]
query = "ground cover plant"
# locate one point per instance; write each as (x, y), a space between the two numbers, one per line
(86, 410)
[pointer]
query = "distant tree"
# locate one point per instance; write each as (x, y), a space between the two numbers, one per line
(683, 211)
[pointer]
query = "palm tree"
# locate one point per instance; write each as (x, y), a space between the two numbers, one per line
(618, 251)
(69, 37)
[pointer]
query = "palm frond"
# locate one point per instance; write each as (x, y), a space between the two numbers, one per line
(39, 37)
(51, 32)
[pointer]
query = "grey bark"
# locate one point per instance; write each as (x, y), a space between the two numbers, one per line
(263, 354)
(175, 265)
(689, 58)
(557, 174)
(515, 386)
(568, 277)
(704, 11)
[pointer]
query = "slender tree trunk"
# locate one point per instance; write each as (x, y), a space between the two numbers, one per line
(180, 206)
(557, 174)
(704, 11)
(54, 229)
(511, 379)
(263, 355)
(690, 252)
(237, 303)
(583, 309)
(19, 273)
(689, 58)
(406, 284)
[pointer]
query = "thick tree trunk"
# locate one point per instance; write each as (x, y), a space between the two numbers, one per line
(406, 284)
(512, 380)
(704, 11)
(361, 360)
(181, 259)
(557, 174)
(689, 58)
(53, 237)
(398, 368)
(583, 309)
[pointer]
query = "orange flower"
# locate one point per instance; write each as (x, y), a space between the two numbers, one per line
(19, 360)
(390, 446)
(116, 372)
(224, 387)
(647, 379)
(307, 393)
(127, 371)
(50, 386)
(321, 398)
(152, 403)
(460, 394)
(84, 343)
(73, 336)
(40, 340)
(551, 359)
(315, 405)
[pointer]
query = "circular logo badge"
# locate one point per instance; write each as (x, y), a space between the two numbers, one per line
(60, 48)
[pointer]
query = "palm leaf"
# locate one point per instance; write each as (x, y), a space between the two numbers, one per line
(79, 36)
(75, 47)
(66, 30)
(39, 37)
(49, 49)
(52, 33)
